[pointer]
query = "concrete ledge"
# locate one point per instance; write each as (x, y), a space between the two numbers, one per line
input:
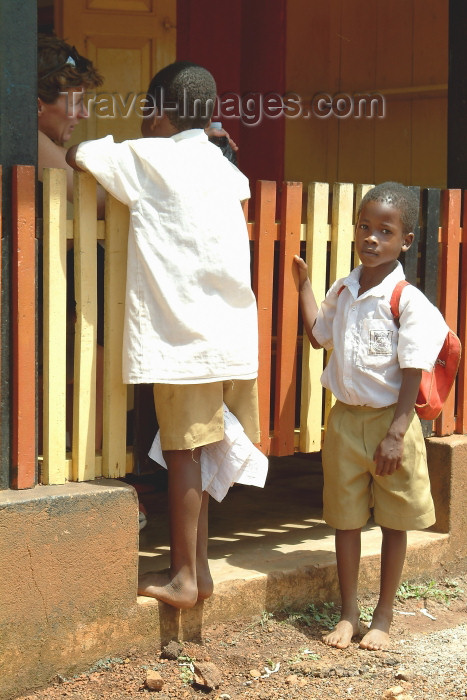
(68, 562)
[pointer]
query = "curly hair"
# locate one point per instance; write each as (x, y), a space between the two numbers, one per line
(186, 92)
(400, 197)
(60, 66)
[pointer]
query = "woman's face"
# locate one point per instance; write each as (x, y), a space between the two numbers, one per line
(58, 119)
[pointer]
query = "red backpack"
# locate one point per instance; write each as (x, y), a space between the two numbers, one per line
(435, 385)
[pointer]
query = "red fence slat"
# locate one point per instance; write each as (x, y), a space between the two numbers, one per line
(263, 280)
(450, 251)
(24, 323)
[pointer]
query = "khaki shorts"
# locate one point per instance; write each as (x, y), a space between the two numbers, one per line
(401, 501)
(191, 415)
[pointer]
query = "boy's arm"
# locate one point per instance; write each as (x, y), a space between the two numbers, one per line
(388, 454)
(71, 159)
(308, 305)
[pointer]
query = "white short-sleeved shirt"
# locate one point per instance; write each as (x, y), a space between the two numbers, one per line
(369, 350)
(190, 314)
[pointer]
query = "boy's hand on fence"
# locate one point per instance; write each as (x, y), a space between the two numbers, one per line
(300, 272)
(388, 455)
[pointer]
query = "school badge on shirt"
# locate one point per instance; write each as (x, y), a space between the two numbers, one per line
(380, 342)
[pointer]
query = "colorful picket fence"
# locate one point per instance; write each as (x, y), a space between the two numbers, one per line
(317, 224)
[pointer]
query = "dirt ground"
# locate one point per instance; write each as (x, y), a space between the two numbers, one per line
(280, 656)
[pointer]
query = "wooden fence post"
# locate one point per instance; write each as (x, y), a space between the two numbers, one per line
(84, 385)
(317, 236)
(283, 441)
(24, 462)
(115, 392)
(341, 247)
(450, 250)
(263, 281)
(54, 470)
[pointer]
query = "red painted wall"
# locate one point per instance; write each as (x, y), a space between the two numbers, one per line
(243, 44)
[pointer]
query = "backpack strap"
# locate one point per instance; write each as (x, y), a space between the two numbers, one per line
(341, 289)
(396, 297)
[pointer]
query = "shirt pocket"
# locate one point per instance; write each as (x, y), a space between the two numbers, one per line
(377, 349)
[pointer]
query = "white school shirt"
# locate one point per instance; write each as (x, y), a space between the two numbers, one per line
(369, 351)
(190, 313)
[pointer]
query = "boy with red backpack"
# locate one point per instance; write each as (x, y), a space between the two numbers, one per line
(374, 452)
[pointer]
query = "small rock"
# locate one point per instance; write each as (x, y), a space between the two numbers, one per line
(171, 651)
(405, 676)
(254, 673)
(396, 693)
(341, 672)
(393, 692)
(154, 680)
(292, 679)
(207, 674)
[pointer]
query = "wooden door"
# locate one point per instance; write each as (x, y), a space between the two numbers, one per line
(128, 41)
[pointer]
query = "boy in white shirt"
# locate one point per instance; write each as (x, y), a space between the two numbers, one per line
(374, 452)
(190, 314)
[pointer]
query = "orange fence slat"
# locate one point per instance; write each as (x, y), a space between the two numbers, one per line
(461, 418)
(450, 251)
(24, 324)
(283, 440)
(263, 279)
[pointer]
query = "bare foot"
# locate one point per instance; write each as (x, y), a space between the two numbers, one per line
(204, 581)
(378, 635)
(342, 634)
(158, 584)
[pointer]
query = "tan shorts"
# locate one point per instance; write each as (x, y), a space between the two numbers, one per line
(401, 501)
(191, 415)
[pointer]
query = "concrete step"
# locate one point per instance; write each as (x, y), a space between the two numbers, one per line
(269, 548)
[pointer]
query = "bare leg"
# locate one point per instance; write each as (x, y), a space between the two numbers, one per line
(203, 574)
(178, 587)
(393, 551)
(348, 561)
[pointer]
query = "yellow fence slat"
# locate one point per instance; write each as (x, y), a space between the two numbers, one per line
(84, 390)
(317, 236)
(341, 230)
(100, 230)
(115, 392)
(341, 248)
(54, 329)
(360, 192)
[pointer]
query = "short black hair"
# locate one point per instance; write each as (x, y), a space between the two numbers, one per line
(186, 92)
(399, 196)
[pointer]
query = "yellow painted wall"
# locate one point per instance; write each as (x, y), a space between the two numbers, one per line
(398, 49)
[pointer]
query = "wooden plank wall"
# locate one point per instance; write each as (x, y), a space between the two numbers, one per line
(342, 47)
(291, 401)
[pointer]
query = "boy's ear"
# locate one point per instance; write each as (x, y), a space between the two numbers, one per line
(154, 121)
(408, 240)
